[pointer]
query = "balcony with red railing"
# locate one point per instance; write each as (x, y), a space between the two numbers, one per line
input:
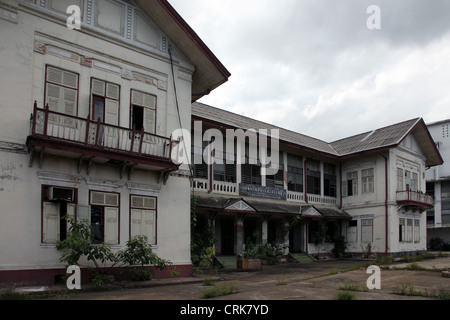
(73, 136)
(415, 199)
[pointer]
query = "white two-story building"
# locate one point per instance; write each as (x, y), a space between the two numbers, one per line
(88, 113)
(369, 188)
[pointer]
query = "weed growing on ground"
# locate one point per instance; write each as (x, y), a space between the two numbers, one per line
(220, 290)
(407, 289)
(344, 295)
(354, 286)
(281, 282)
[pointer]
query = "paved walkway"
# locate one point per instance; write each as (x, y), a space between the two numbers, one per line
(320, 280)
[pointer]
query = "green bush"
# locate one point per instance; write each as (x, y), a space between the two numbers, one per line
(80, 242)
(340, 246)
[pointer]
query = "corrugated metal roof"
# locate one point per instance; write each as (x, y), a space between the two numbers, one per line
(238, 121)
(386, 137)
(379, 138)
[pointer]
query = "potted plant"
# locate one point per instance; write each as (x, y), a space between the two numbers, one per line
(249, 259)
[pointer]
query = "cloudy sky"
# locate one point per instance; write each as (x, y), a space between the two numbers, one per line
(313, 66)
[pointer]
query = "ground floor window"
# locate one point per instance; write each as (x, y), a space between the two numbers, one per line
(409, 230)
(367, 230)
(57, 203)
(352, 231)
(104, 216)
(143, 217)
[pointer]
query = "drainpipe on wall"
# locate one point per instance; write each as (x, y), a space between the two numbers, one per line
(305, 180)
(340, 185)
(386, 201)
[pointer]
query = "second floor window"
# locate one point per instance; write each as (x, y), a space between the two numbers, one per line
(61, 91)
(295, 173)
(367, 181)
(143, 111)
(105, 102)
(313, 176)
(329, 179)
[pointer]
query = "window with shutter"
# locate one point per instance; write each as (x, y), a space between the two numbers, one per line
(143, 217)
(366, 230)
(104, 216)
(110, 95)
(50, 225)
(61, 91)
(57, 204)
(143, 111)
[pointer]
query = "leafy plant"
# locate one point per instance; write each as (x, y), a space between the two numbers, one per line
(339, 247)
(139, 252)
(202, 241)
(80, 242)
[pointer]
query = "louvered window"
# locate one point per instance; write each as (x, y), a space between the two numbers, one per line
(313, 176)
(61, 91)
(143, 111)
(143, 217)
(329, 179)
(56, 205)
(105, 97)
(295, 173)
(104, 216)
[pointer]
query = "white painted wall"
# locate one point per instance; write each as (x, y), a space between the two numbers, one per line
(22, 82)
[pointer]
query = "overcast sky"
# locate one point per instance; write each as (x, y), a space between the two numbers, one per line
(313, 66)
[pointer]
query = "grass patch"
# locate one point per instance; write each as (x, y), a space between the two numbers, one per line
(409, 290)
(354, 286)
(220, 290)
(15, 296)
(208, 282)
(349, 268)
(415, 266)
(344, 295)
(281, 282)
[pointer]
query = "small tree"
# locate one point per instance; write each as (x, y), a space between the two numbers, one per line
(80, 242)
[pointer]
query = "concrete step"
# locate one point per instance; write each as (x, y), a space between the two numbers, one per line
(302, 257)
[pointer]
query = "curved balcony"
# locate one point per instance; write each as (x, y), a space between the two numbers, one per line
(415, 199)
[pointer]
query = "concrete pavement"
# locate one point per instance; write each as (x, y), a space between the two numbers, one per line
(320, 280)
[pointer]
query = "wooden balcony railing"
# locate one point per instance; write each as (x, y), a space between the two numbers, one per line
(414, 198)
(73, 131)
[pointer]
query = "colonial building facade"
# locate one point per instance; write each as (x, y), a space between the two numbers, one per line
(88, 114)
(369, 188)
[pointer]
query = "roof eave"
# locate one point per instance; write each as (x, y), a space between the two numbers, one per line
(209, 72)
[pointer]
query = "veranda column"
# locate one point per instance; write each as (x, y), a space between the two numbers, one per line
(264, 229)
(239, 234)
(286, 235)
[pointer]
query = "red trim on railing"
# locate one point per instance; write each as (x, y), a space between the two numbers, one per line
(420, 199)
(98, 147)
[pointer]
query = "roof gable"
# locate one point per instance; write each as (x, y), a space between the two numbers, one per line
(380, 138)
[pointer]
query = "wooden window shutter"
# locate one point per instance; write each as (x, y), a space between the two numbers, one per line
(98, 87)
(71, 209)
(112, 112)
(143, 223)
(70, 101)
(84, 214)
(149, 120)
(61, 91)
(50, 232)
(112, 91)
(111, 225)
